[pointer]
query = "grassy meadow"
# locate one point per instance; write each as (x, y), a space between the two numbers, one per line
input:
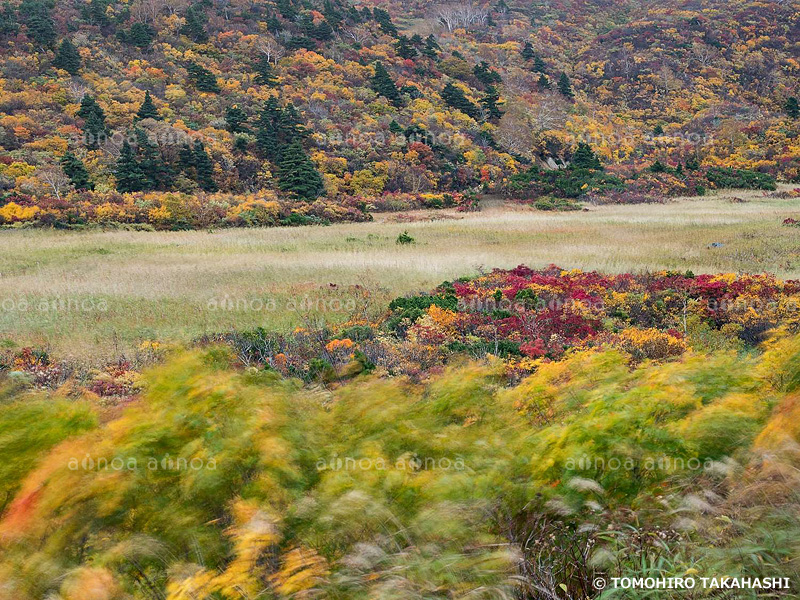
(99, 293)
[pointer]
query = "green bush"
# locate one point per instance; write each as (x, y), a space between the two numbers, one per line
(740, 178)
(404, 239)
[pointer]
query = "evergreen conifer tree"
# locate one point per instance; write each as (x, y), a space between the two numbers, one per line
(265, 74)
(68, 58)
(202, 78)
(565, 86)
(297, 174)
(585, 158)
(432, 47)
(204, 168)
(404, 48)
(394, 127)
(384, 21)
(129, 174)
(157, 173)
(268, 132)
(94, 121)
(485, 74)
(141, 35)
(792, 107)
(544, 82)
(235, 119)
(383, 85)
(39, 22)
(195, 26)
(186, 160)
(323, 31)
(528, 52)
(8, 20)
(147, 110)
(490, 102)
(76, 171)
(455, 98)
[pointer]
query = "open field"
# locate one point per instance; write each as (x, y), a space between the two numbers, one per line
(93, 294)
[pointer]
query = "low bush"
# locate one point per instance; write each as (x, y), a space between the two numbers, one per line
(740, 179)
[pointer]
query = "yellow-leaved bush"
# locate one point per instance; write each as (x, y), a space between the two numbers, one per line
(221, 483)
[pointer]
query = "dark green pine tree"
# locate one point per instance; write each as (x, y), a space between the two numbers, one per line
(538, 65)
(491, 103)
(39, 22)
(432, 47)
(485, 74)
(94, 12)
(148, 110)
(268, 137)
(235, 119)
(383, 85)
(286, 9)
(297, 174)
(202, 78)
(76, 171)
(274, 24)
(394, 127)
(353, 14)
(332, 15)
(141, 35)
(68, 58)
(94, 121)
(306, 25)
(792, 107)
(151, 163)
(129, 174)
(565, 86)
(8, 20)
(404, 48)
(291, 126)
(658, 130)
(186, 161)
(384, 21)
(94, 129)
(585, 158)
(204, 168)
(265, 74)
(195, 26)
(323, 31)
(455, 98)
(528, 52)
(544, 82)
(88, 106)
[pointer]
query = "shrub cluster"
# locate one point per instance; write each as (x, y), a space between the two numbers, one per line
(175, 210)
(531, 316)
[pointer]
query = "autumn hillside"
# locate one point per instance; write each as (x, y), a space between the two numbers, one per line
(259, 113)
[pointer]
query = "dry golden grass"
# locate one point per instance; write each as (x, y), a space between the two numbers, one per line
(118, 288)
